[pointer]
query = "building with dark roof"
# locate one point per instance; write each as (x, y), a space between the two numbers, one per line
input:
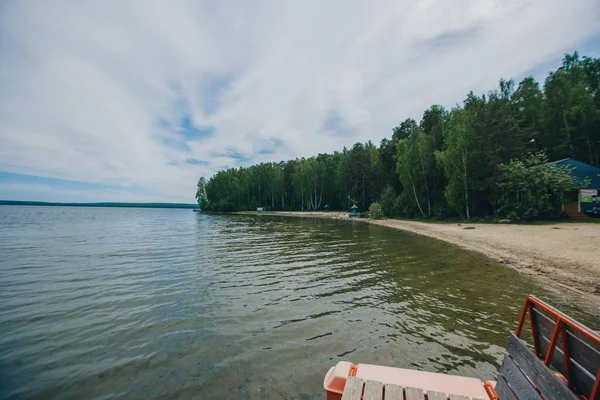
(587, 200)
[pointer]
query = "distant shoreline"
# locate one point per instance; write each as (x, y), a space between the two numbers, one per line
(101, 204)
(562, 257)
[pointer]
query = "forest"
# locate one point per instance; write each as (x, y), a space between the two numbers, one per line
(464, 162)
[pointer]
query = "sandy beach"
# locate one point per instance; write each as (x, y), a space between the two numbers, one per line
(564, 257)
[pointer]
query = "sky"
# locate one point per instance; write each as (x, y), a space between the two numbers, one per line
(135, 100)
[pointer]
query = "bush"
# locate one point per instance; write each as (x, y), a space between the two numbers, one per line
(376, 211)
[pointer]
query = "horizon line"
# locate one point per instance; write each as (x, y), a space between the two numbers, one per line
(99, 204)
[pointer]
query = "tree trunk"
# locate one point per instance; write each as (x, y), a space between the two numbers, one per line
(415, 193)
(302, 192)
(465, 182)
(363, 188)
(426, 185)
(321, 196)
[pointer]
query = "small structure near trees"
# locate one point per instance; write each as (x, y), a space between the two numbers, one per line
(584, 200)
(533, 188)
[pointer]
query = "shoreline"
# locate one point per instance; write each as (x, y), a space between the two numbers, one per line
(563, 257)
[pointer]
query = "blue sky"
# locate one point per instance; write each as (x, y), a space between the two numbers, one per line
(107, 101)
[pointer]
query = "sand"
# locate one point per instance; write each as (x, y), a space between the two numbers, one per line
(563, 257)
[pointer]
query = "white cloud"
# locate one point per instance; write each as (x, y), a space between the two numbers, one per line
(94, 91)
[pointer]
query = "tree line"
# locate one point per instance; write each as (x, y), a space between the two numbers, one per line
(452, 163)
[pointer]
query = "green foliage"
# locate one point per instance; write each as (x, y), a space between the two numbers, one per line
(201, 197)
(451, 164)
(404, 130)
(414, 167)
(388, 202)
(308, 180)
(531, 188)
(376, 211)
(572, 110)
(359, 171)
(457, 160)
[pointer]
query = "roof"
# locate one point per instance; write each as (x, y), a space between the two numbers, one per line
(582, 171)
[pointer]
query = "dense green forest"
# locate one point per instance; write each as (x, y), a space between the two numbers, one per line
(450, 164)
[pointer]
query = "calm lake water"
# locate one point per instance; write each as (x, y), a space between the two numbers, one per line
(103, 303)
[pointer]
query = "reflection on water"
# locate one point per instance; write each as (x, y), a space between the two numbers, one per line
(143, 303)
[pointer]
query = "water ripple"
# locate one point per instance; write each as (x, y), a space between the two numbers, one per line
(133, 303)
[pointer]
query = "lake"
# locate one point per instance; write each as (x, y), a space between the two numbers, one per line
(102, 303)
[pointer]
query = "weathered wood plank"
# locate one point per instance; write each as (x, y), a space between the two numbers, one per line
(546, 382)
(458, 397)
(533, 317)
(503, 390)
(545, 326)
(414, 394)
(585, 359)
(437, 396)
(394, 392)
(517, 380)
(353, 389)
(373, 390)
(583, 353)
(582, 379)
(558, 359)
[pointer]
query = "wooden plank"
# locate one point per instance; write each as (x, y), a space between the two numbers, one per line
(585, 359)
(544, 323)
(373, 390)
(353, 389)
(503, 390)
(414, 394)
(545, 326)
(437, 396)
(517, 380)
(582, 379)
(541, 376)
(558, 360)
(562, 314)
(394, 392)
(583, 353)
(458, 397)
